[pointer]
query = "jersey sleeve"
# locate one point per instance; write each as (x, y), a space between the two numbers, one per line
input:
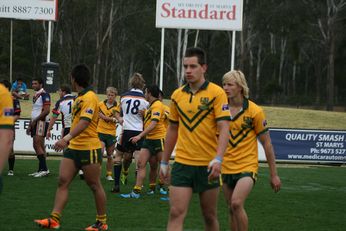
(88, 109)
(6, 109)
(173, 112)
(46, 99)
(221, 108)
(156, 111)
(260, 122)
(56, 109)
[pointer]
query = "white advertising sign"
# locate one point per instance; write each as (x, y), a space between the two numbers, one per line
(29, 9)
(23, 142)
(200, 14)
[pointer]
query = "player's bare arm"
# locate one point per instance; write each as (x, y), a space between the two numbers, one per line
(275, 181)
(80, 127)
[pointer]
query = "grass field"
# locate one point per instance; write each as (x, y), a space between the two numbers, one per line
(312, 198)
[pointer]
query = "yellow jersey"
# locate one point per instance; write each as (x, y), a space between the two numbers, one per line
(155, 113)
(107, 127)
(6, 108)
(85, 107)
(197, 114)
(242, 153)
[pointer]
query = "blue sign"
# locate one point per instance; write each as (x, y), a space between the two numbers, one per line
(309, 145)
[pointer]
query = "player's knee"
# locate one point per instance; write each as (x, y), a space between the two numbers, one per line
(236, 204)
(62, 182)
(176, 212)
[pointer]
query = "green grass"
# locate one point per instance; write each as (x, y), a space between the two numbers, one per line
(311, 198)
(278, 117)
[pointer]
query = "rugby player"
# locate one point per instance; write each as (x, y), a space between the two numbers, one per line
(240, 163)
(198, 127)
(82, 150)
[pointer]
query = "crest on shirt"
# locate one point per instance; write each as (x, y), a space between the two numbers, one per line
(89, 111)
(247, 122)
(8, 111)
(156, 113)
(204, 103)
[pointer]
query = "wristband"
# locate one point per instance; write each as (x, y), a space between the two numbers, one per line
(218, 158)
(164, 168)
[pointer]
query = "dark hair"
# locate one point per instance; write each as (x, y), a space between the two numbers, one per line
(197, 52)
(65, 88)
(154, 90)
(39, 80)
(81, 75)
(6, 83)
(161, 93)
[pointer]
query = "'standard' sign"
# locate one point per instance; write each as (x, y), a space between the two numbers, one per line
(200, 14)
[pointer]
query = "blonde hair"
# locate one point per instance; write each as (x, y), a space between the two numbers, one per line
(239, 78)
(137, 81)
(112, 90)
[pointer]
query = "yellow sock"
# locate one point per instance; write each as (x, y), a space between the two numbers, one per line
(137, 189)
(102, 218)
(56, 216)
(152, 186)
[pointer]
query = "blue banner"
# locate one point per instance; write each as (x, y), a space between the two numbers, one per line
(309, 145)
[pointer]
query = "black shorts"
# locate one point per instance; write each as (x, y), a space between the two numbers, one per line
(125, 144)
(40, 129)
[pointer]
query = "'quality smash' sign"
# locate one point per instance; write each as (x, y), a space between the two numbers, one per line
(200, 14)
(29, 9)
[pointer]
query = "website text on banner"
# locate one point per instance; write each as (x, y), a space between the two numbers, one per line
(309, 145)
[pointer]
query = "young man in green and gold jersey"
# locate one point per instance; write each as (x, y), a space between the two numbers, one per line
(154, 133)
(83, 152)
(109, 115)
(6, 127)
(240, 163)
(198, 127)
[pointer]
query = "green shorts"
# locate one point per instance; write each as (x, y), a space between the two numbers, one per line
(154, 146)
(107, 139)
(84, 157)
(195, 177)
(231, 179)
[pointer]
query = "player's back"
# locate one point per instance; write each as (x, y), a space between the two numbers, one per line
(132, 102)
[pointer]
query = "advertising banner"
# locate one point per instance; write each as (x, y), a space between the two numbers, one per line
(29, 9)
(200, 14)
(309, 145)
(23, 142)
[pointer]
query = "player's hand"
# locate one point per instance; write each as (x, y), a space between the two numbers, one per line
(275, 182)
(60, 145)
(135, 139)
(214, 169)
(164, 172)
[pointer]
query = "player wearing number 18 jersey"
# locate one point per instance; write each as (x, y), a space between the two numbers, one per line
(132, 105)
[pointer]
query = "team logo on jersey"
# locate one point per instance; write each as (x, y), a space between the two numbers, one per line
(89, 111)
(247, 122)
(225, 107)
(8, 111)
(204, 103)
(156, 113)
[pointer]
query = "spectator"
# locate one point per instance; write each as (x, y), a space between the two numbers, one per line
(19, 90)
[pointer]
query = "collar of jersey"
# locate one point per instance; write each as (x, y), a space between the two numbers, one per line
(137, 90)
(85, 90)
(204, 86)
